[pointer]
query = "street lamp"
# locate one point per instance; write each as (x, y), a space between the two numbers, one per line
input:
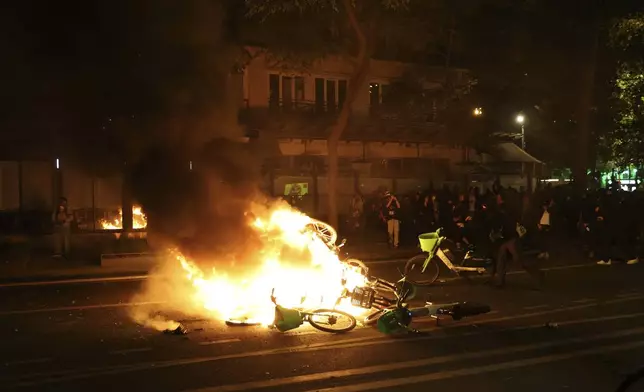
(521, 120)
(478, 112)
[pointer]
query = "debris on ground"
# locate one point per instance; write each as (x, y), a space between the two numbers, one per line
(180, 330)
(551, 325)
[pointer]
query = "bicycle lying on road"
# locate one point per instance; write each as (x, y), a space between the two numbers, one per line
(423, 269)
(286, 319)
(393, 315)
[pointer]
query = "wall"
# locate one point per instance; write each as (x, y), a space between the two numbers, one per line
(256, 86)
(37, 185)
(39, 189)
(9, 193)
(371, 150)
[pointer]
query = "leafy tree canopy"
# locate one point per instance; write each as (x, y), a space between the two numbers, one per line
(625, 142)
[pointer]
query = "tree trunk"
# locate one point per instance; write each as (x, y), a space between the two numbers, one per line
(355, 86)
(588, 72)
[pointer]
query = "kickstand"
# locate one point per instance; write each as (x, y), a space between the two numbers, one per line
(438, 321)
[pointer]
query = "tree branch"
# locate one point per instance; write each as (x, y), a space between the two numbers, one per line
(357, 29)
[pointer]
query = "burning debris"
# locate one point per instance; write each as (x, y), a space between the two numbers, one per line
(139, 220)
(290, 258)
(180, 330)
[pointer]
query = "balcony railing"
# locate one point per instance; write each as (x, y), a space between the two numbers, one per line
(406, 114)
(303, 106)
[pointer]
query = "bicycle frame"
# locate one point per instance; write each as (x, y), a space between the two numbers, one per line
(437, 251)
(456, 268)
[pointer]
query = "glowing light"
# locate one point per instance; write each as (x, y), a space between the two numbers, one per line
(478, 112)
(139, 220)
(292, 259)
(520, 118)
(57, 163)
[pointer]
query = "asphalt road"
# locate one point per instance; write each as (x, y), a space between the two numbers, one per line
(584, 331)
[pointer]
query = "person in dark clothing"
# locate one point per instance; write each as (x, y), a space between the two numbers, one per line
(505, 224)
(426, 211)
(600, 239)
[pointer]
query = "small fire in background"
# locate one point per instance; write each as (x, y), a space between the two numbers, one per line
(139, 220)
(292, 259)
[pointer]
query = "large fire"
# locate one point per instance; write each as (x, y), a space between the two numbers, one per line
(139, 220)
(312, 277)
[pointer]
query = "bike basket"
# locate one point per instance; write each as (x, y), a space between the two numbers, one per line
(362, 297)
(428, 242)
(287, 319)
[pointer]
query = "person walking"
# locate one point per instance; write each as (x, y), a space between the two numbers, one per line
(543, 226)
(508, 238)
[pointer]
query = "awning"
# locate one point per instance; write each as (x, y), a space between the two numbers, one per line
(511, 153)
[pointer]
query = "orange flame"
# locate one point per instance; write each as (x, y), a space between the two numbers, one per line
(315, 279)
(139, 220)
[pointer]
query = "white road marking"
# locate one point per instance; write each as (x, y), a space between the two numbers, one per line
(433, 320)
(219, 342)
(74, 308)
(550, 311)
(304, 333)
(583, 300)
(325, 376)
(130, 350)
(68, 375)
(410, 380)
(557, 268)
(28, 361)
(76, 281)
(631, 294)
(536, 307)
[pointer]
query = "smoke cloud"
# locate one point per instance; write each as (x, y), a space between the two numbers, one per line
(201, 211)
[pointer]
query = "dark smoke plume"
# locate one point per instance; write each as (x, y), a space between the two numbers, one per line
(202, 210)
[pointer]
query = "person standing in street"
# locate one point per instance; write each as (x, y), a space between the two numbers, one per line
(508, 241)
(544, 230)
(392, 215)
(62, 229)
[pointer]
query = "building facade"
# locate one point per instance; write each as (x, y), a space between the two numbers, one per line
(385, 146)
(291, 109)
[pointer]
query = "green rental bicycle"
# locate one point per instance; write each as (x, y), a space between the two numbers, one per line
(423, 269)
(286, 319)
(393, 315)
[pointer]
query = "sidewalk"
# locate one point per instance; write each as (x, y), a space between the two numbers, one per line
(46, 270)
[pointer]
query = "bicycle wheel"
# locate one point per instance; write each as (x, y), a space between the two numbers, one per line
(414, 270)
(333, 321)
(325, 231)
(373, 317)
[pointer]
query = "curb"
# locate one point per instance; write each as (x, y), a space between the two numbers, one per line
(69, 278)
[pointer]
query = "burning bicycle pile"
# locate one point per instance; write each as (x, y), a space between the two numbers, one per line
(380, 302)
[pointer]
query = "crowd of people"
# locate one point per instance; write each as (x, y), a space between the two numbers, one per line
(604, 222)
